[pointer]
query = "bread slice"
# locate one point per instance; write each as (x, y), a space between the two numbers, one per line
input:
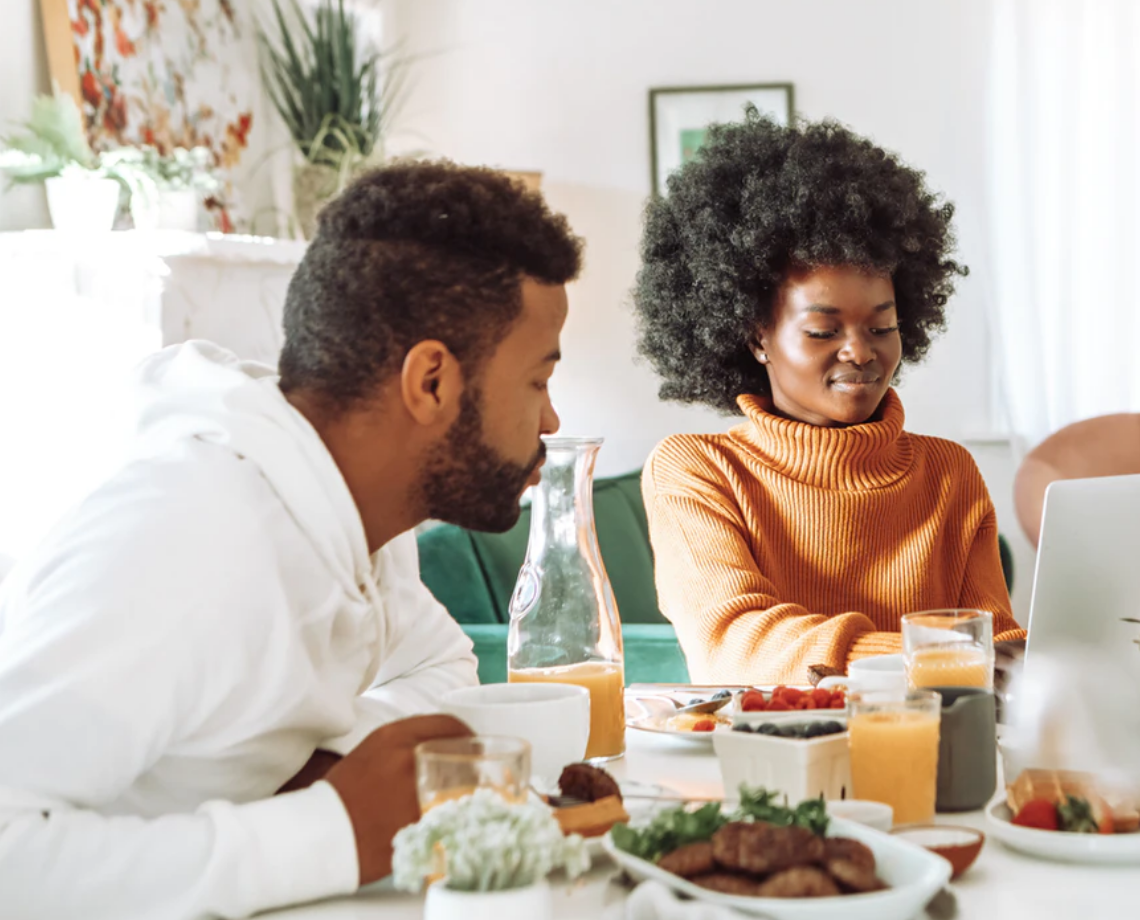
(1056, 786)
(592, 819)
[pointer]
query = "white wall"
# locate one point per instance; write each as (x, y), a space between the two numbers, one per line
(23, 74)
(561, 86)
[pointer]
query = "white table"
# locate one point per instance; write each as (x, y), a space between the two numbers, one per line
(1002, 885)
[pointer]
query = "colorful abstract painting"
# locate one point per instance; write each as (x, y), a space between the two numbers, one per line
(169, 73)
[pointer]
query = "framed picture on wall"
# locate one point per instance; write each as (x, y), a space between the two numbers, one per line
(679, 116)
(165, 75)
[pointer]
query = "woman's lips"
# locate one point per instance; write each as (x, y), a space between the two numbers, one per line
(856, 382)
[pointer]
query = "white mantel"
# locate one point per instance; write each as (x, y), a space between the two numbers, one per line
(77, 313)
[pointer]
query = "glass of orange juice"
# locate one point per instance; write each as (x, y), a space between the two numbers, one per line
(893, 740)
(450, 768)
(949, 648)
(606, 682)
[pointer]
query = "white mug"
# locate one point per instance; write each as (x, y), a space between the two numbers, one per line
(882, 672)
(554, 718)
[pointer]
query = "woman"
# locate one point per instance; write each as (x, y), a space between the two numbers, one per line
(787, 276)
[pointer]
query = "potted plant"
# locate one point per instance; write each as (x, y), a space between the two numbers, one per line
(493, 856)
(336, 94)
(82, 186)
(170, 196)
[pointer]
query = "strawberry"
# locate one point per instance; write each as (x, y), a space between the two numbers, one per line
(705, 725)
(1038, 813)
(820, 698)
(791, 696)
(778, 705)
(753, 701)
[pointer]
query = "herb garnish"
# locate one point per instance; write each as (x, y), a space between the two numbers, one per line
(677, 827)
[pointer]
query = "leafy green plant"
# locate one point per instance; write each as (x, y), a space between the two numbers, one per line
(54, 143)
(677, 827)
(336, 95)
(1131, 620)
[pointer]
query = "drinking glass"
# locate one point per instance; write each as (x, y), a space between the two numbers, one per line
(949, 648)
(450, 768)
(893, 739)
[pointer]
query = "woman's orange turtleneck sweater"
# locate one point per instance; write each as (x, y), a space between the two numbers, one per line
(781, 545)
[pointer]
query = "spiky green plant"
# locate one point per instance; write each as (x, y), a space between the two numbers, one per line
(53, 141)
(336, 95)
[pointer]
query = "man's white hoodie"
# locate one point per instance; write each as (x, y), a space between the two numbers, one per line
(180, 644)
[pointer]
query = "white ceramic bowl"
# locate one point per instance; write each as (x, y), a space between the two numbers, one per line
(914, 875)
(876, 815)
(554, 718)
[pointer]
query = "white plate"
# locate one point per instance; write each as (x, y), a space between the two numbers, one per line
(1106, 849)
(649, 714)
(914, 875)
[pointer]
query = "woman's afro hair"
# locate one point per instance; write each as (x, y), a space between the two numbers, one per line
(758, 201)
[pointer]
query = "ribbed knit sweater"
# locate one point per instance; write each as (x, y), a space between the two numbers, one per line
(780, 545)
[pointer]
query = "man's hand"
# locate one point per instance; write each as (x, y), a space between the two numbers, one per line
(377, 783)
(319, 764)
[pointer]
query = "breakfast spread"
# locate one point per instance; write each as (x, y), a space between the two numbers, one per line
(601, 803)
(1066, 801)
(764, 849)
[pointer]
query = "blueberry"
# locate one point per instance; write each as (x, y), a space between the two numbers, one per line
(833, 727)
(815, 729)
(768, 729)
(742, 727)
(722, 694)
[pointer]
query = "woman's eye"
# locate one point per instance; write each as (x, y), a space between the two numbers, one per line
(542, 386)
(820, 333)
(886, 331)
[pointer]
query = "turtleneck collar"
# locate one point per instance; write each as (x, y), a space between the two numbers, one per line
(867, 456)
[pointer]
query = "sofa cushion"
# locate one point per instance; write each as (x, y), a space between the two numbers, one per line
(652, 654)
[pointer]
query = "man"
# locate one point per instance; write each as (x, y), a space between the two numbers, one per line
(236, 610)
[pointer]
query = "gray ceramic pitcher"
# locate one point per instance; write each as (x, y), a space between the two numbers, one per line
(967, 748)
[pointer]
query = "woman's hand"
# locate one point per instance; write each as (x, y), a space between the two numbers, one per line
(1008, 656)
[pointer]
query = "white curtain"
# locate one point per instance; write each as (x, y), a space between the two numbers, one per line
(1064, 109)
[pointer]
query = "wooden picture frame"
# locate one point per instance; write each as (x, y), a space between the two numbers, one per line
(680, 115)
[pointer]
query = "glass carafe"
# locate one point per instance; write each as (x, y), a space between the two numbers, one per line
(564, 619)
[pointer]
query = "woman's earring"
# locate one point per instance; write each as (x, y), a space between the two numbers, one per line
(762, 357)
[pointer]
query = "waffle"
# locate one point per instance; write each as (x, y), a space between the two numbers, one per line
(1056, 785)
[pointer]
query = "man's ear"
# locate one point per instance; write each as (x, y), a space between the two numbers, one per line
(431, 383)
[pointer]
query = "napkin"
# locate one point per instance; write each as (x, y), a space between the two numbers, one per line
(653, 901)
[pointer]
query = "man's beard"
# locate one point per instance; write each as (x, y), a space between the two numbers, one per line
(468, 483)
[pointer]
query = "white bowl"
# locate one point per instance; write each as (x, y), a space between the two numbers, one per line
(913, 873)
(876, 815)
(554, 718)
(1106, 849)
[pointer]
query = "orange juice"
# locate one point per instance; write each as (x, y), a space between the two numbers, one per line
(606, 683)
(950, 665)
(894, 759)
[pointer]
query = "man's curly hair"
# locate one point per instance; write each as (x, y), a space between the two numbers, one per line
(758, 201)
(409, 252)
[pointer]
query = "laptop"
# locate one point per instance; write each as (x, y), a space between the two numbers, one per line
(1080, 687)
(1088, 570)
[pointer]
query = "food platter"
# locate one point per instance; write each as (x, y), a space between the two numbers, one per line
(914, 875)
(1104, 849)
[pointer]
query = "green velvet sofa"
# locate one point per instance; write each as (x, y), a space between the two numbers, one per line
(473, 574)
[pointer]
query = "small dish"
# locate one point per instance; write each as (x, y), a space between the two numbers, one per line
(958, 845)
(875, 815)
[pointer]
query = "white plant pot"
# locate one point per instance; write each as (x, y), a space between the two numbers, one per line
(79, 204)
(178, 210)
(531, 903)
